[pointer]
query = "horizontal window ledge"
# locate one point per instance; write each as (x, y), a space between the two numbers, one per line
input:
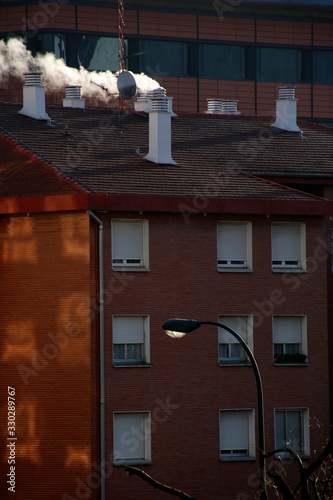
(238, 363)
(288, 270)
(234, 270)
(291, 364)
(121, 463)
(132, 365)
(130, 269)
(238, 458)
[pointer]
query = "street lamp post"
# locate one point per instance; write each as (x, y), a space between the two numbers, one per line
(177, 328)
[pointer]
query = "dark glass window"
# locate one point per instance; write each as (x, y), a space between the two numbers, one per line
(283, 65)
(323, 67)
(163, 58)
(94, 53)
(226, 62)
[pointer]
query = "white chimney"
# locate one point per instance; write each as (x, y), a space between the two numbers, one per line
(222, 107)
(73, 97)
(286, 114)
(159, 128)
(143, 102)
(34, 97)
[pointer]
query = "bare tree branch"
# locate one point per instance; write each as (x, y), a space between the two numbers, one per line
(280, 484)
(168, 489)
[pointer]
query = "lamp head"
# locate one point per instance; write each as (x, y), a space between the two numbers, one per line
(177, 328)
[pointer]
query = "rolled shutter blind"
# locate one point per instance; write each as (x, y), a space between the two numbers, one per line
(236, 323)
(127, 240)
(128, 330)
(231, 240)
(287, 330)
(286, 243)
(234, 430)
(125, 445)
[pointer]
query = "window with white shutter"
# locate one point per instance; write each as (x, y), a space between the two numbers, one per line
(237, 434)
(292, 431)
(130, 340)
(234, 246)
(230, 350)
(290, 339)
(131, 437)
(288, 246)
(129, 244)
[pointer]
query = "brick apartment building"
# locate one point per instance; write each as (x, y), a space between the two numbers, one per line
(103, 239)
(111, 224)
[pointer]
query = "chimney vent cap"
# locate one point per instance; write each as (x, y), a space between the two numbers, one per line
(222, 106)
(73, 91)
(33, 79)
(287, 92)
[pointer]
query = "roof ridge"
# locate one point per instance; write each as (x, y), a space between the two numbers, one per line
(63, 177)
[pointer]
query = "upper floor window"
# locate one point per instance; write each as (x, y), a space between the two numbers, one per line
(230, 350)
(275, 64)
(130, 245)
(288, 247)
(237, 434)
(234, 246)
(130, 340)
(292, 431)
(290, 339)
(132, 437)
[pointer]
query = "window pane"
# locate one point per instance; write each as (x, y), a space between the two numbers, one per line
(98, 53)
(280, 429)
(226, 62)
(237, 351)
(163, 58)
(118, 351)
(134, 352)
(294, 436)
(223, 351)
(323, 67)
(279, 65)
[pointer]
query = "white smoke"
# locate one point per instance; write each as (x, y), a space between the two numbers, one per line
(16, 60)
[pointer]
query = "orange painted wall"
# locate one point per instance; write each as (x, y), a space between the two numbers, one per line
(47, 342)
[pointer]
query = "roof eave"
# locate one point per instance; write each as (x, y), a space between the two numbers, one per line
(177, 204)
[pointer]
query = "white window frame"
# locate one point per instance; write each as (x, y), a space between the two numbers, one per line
(145, 349)
(228, 263)
(135, 434)
(245, 330)
(231, 438)
(294, 265)
(138, 261)
(303, 340)
(305, 432)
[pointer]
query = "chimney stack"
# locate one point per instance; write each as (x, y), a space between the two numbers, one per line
(159, 128)
(34, 97)
(222, 107)
(286, 114)
(73, 97)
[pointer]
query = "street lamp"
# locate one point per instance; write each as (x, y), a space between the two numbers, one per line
(177, 328)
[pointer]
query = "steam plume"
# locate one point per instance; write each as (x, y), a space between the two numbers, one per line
(16, 60)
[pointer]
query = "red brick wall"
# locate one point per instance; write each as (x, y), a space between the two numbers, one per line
(46, 349)
(183, 282)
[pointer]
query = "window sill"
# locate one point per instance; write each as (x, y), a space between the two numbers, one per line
(124, 269)
(246, 363)
(237, 459)
(288, 270)
(234, 270)
(121, 463)
(132, 365)
(290, 364)
(286, 457)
